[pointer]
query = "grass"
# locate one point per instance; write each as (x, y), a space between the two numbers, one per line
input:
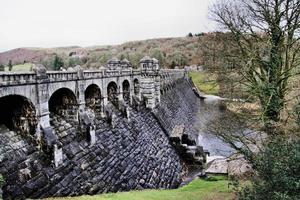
(199, 189)
(206, 82)
(21, 67)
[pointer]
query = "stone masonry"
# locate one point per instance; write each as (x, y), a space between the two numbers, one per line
(99, 146)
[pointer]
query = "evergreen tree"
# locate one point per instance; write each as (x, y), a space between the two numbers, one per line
(58, 63)
(10, 66)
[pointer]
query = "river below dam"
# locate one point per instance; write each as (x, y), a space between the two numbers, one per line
(209, 110)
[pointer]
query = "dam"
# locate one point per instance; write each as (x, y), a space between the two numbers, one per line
(75, 132)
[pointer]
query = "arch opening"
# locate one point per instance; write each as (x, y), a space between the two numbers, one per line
(126, 91)
(63, 102)
(18, 114)
(112, 92)
(136, 86)
(93, 97)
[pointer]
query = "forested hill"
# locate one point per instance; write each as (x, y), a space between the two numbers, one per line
(197, 49)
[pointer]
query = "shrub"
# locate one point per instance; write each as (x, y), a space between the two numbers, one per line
(190, 35)
(10, 66)
(74, 61)
(278, 174)
(1, 180)
(58, 63)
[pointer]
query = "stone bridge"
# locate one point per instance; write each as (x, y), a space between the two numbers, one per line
(67, 133)
(29, 98)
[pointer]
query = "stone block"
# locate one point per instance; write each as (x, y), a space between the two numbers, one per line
(58, 156)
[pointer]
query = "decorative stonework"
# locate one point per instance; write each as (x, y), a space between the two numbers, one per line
(103, 141)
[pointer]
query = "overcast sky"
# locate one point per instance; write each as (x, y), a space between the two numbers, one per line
(52, 23)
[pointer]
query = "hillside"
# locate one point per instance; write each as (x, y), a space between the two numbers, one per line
(170, 51)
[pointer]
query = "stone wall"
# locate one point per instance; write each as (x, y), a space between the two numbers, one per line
(179, 106)
(177, 113)
(135, 154)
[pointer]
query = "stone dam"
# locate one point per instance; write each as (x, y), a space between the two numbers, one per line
(75, 132)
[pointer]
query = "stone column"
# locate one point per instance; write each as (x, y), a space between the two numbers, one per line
(42, 107)
(80, 94)
(148, 92)
(104, 95)
(43, 114)
(157, 89)
(120, 95)
(131, 90)
(80, 86)
(43, 97)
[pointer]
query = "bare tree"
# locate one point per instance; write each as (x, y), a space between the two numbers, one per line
(267, 34)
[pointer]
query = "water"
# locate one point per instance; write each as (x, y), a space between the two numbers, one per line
(210, 110)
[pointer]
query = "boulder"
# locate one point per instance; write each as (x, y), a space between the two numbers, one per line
(235, 166)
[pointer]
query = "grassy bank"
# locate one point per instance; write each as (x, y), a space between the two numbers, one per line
(197, 190)
(206, 82)
(20, 67)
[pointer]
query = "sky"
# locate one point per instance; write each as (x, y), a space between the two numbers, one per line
(54, 23)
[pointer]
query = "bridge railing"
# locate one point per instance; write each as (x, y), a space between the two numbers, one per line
(10, 78)
(93, 74)
(17, 78)
(62, 75)
(136, 71)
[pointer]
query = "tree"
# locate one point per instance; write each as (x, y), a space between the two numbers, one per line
(277, 174)
(275, 158)
(267, 35)
(58, 63)
(173, 65)
(156, 53)
(2, 68)
(219, 57)
(190, 35)
(74, 61)
(10, 66)
(177, 59)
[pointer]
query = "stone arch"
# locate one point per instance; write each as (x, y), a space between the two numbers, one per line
(112, 92)
(53, 88)
(126, 90)
(136, 86)
(92, 95)
(26, 91)
(63, 102)
(18, 113)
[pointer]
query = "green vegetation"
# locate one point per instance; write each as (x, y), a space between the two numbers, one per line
(58, 63)
(206, 82)
(199, 189)
(269, 54)
(278, 172)
(264, 50)
(20, 67)
(10, 66)
(297, 112)
(1, 180)
(2, 67)
(74, 61)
